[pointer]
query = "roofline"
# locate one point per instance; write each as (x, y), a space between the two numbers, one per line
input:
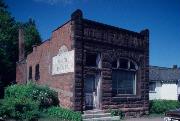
(102, 24)
(162, 67)
(47, 40)
(61, 25)
(172, 80)
(166, 80)
(111, 26)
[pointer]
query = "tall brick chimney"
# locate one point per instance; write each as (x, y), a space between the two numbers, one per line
(21, 44)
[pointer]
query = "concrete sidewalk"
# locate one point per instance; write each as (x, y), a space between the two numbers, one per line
(146, 119)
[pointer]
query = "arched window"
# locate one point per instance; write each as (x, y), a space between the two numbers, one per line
(124, 76)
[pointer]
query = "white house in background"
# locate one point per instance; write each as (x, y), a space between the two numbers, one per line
(164, 83)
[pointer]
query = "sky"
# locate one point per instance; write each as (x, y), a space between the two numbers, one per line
(161, 17)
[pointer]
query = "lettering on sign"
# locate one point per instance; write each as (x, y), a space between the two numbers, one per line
(114, 36)
(63, 62)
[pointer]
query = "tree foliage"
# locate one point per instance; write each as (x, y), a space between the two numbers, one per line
(32, 36)
(9, 43)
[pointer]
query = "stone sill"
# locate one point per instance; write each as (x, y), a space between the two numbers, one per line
(152, 92)
(127, 98)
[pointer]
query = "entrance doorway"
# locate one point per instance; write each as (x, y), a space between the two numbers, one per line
(92, 92)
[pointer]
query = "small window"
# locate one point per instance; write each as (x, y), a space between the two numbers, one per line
(93, 60)
(37, 75)
(30, 73)
(152, 86)
(123, 63)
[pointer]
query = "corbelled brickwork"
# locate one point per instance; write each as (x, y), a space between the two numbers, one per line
(82, 36)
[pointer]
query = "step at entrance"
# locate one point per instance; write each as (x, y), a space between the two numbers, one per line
(98, 115)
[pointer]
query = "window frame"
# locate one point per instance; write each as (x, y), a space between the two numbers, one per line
(129, 62)
(129, 70)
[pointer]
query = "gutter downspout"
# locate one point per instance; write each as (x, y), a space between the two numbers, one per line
(178, 89)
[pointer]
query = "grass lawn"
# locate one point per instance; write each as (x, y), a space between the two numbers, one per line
(50, 119)
(155, 115)
(43, 119)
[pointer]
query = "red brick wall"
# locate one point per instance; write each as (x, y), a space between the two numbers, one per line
(43, 54)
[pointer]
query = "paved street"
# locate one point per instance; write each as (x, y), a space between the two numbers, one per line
(145, 119)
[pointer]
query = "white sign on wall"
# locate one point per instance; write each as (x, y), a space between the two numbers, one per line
(63, 62)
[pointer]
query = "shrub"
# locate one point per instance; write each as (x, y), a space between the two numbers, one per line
(43, 94)
(117, 113)
(161, 106)
(23, 102)
(19, 108)
(66, 114)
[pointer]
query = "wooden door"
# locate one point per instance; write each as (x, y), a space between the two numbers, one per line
(89, 88)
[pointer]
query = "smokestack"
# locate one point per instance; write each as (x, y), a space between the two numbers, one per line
(21, 44)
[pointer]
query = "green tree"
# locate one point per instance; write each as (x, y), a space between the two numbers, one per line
(9, 44)
(32, 36)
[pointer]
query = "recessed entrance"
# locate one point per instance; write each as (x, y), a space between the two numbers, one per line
(92, 92)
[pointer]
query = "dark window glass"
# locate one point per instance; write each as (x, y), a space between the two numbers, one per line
(114, 64)
(132, 65)
(30, 73)
(91, 59)
(89, 89)
(123, 82)
(89, 85)
(123, 63)
(152, 86)
(37, 75)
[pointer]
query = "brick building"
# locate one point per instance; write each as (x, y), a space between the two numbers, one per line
(91, 65)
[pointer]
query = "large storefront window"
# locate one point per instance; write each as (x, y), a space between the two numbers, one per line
(124, 77)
